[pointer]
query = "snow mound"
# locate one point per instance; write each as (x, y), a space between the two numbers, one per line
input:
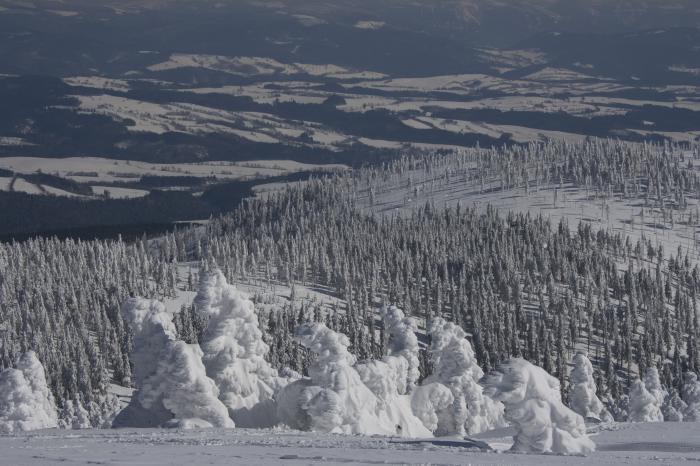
(582, 397)
(533, 405)
(173, 389)
(26, 403)
(234, 353)
(456, 367)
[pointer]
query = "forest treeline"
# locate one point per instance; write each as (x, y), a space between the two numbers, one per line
(516, 283)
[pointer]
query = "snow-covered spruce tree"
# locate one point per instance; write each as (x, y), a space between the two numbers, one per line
(74, 415)
(402, 344)
(652, 383)
(533, 405)
(643, 405)
(456, 367)
(582, 394)
(334, 398)
(172, 388)
(691, 396)
(26, 403)
(234, 352)
(428, 400)
(393, 379)
(673, 407)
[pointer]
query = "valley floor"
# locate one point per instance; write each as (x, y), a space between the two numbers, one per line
(633, 444)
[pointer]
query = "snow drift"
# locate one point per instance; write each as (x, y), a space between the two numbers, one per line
(26, 403)
(234, 353)
(173, 389)
(455, 366)
(533, 405)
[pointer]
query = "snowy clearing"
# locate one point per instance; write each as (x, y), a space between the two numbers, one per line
(119, 193)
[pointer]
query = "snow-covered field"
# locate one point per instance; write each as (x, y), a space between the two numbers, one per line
(631, 444)
(99, 169)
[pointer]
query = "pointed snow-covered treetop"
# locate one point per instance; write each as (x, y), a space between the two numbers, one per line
(533, 405)
(172, 386)
(26, 403)
(234, 352)
(455, 366)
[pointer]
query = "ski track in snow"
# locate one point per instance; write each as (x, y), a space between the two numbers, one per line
(633, 444)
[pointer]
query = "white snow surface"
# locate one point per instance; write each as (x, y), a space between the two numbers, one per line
(639, 444)
(533, 405)
(26, 403)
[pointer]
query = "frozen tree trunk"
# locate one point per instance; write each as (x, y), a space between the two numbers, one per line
(234, 353)
(583, 398)
(173, 389)
(533, 406)
(26, 403)
(455, 366)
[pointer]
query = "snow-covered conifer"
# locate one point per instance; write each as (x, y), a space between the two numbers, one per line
(673, 407)
(691, 396)
(335, 398)
(455, 366)
(172, 386)
(643, 405)
(403, 343)
(234, 352)
(533, 405)
(582, 395)
(26, 403)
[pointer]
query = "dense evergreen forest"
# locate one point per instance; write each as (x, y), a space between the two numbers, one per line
(518, 284)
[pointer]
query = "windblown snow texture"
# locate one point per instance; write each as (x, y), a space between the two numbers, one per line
(582, 397)
(234, 353)
(172, 386)
(26, 403)
(533, 405)
(455, 366)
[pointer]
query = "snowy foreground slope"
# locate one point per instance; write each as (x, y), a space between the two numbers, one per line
(633, 444)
